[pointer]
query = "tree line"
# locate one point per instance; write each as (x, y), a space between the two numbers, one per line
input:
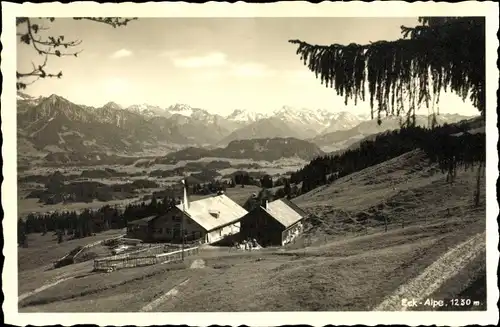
(448, 146)
(78, 225)
(441, 144)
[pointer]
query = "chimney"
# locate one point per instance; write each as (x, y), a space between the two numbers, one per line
(185, 202)
(214, 213)
(266, 204)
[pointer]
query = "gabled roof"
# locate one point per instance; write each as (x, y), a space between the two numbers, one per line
(201, 211)
(295, 207)
(283, 213)
(142, 221)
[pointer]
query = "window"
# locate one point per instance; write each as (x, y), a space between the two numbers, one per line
(167, 231)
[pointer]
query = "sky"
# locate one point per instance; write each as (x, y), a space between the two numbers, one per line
(218, 64)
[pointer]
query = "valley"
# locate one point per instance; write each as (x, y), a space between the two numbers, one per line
(378, 205)
(342, 248)
(136, 183)
(268, 165)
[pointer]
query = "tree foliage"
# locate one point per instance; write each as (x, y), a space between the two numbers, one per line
(244, 178)
(258, 200)
(87, 222)
(450, 146)
(266, 181)
(84, 224)
(442, 53)
(21, 233)
(30, 33)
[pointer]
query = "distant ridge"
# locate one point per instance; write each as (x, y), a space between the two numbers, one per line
(267, 149)
(54, 124)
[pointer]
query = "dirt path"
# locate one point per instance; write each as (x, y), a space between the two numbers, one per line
(172, 293)
(435, 275)
(42, 288)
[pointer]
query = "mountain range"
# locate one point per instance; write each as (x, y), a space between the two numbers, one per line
(343, 138)
(56, 125)
(256, 149)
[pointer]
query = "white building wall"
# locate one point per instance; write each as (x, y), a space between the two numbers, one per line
(218, 234)
(291, 233)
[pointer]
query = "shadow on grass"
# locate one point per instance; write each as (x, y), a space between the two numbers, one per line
(63, 297)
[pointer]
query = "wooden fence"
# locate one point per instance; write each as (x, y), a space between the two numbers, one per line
(71, 258)
(176, 255)
(145, 251)
(91, 245)
(127, 261)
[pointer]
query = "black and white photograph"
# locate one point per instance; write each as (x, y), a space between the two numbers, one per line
(182, 161)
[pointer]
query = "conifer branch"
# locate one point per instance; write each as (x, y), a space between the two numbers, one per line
(443, 53)
(47, 45)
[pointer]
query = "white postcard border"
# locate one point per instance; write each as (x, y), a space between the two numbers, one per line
(241, 9)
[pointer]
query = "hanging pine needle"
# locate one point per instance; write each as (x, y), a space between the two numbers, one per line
(442, 53)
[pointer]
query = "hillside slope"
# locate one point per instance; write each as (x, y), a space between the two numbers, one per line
(341, 139)
(256, 149)
(392, 189)
(264, 128)
(344, 262)
(55, 124)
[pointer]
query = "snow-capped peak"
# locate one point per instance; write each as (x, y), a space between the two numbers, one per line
(139, 107)
(242, 115)
(303, 116)
(147, 110)
(181, 109)
(345, 115)
(26, 98)
(112, 105)
(23, 96)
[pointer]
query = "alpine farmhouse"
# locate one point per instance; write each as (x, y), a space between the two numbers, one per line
(206, 220)
(274, 223)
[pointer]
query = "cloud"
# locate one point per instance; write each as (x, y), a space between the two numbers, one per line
(122, 53)
(251, 70)
(213, 59)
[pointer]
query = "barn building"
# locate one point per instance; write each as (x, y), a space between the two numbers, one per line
(207, 220)
(273, 223)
